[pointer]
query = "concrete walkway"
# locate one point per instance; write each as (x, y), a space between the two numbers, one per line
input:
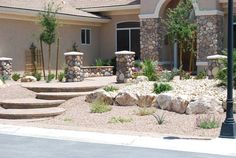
(218, 146)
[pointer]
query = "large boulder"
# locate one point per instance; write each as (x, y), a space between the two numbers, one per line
(146, 100)
(28, 79)
(101, 95)
(205, 105)
(173, 103)
(126, 99)
(141, 79)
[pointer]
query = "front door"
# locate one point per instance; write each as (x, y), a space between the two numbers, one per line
(128, 37)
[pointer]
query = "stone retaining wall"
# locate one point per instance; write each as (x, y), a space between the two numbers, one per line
(97, 71)
(6, 67)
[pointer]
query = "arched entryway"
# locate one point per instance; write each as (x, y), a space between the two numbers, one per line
(128, 37)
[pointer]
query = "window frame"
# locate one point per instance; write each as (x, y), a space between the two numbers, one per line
(85, 36)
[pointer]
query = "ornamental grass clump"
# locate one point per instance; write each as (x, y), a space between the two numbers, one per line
(100, 107)
(110, 88)
(145, 111)
(161, 87)
(161, 119)
(208, 122)
(120, 119)
(149, 70)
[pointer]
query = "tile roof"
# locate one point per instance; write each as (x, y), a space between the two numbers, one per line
(38, 5)
(82, 4)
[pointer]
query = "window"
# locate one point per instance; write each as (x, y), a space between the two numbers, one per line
(85, 36)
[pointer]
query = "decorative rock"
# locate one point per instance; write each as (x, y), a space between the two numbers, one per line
(97, 71)
(1, 83)
(205, 105)
(141, 79)
(5, 67)
(170, 102)
(28, 79)
(148, 100)
(126, 99)
(101, 95)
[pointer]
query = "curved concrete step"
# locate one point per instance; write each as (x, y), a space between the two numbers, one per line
(30, 103)
(60, 95)
(46, 89)
(30, 113)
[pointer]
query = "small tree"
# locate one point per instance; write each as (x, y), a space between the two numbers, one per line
(49, 25)
(180, 28)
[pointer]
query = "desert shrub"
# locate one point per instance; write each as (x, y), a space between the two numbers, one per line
(149, 70)
(162, 87)
(61, 76)
(161, 119)
(102, 62)
(207, 122)
(4, 78)
(15, 77)
(99, 107)
(50, 77)
(38, 75)
(138, 64)
(201, 75)
(110, 88)
(119, 119)
(146, 111)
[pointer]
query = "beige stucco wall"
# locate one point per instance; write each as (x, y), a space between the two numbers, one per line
(108, 34)
(148, 6)
(16, 37)
(208, 4)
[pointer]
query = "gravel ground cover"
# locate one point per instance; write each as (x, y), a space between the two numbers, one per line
(78, 116)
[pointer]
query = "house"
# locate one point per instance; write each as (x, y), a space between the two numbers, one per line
(101, 27)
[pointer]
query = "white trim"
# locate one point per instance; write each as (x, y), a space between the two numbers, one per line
(111, 8)
(90, 32)
(124, 53)
(73, 54)
(5, 59)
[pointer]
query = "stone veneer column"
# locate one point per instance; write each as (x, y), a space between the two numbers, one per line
(151, 38)
(124, 65)
(74, 62)
(209, 38)
(5, 67)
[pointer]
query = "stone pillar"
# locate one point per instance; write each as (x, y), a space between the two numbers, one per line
(74, 62)
(215, 63)
(209, 38)
(151, 38)
(124, 65)
(5, 67)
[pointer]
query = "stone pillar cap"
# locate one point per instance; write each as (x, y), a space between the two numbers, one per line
(73, 53)
(5, 58)
(215, 57)
(124, 53)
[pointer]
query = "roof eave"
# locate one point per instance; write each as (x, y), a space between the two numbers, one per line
(111, 8)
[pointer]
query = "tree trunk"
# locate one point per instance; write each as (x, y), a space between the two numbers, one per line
(181, 54)
(49, 59)
(41, 47)
(58, 49)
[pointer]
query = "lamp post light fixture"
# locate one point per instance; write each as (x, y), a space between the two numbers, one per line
(228, 129)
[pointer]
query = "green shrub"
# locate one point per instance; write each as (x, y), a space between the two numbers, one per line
(149, 70)
(38, 75)
(162, 87)
(50, 77)
(146, 111)
(100, 107)
(4, 78)
(201, 75)
(61, 76)
(15, 77)
(138, 64)
(207, 122)
(120, 120)
(110, 88)
(160, 118)
(103, 62)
